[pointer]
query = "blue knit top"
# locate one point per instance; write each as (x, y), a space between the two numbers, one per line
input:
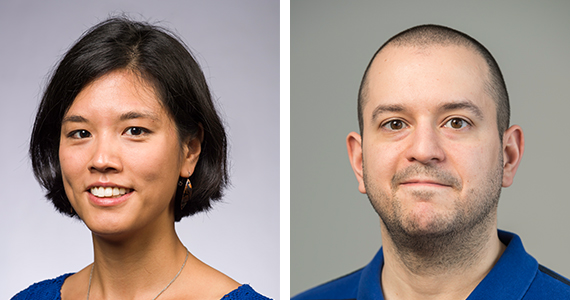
(50, 290)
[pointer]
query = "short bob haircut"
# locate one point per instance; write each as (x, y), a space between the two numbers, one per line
(159, 58)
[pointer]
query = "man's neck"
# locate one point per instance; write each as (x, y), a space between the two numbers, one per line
(447, 272)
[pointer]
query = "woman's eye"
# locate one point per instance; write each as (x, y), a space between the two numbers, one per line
(395, 125)
(456, 123)
(79, 134)
(136, 131)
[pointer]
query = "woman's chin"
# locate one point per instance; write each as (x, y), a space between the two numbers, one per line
(109, 226)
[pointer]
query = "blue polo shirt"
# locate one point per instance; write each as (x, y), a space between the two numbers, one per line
(517, 275)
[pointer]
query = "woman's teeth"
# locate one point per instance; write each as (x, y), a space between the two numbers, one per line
(108, 191)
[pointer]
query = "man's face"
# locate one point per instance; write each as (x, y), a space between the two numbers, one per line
(431, 154)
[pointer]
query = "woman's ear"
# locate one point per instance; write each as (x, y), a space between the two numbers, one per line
(191, 152)
(513, 149)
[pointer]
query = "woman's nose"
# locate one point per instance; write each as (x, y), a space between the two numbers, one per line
(106, 157)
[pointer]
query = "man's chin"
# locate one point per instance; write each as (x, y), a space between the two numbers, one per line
(428, 220)
(431, 230)
(428, 232)
(434, 227)
(423, 239)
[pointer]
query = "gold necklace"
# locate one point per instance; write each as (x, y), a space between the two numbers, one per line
(164, 289)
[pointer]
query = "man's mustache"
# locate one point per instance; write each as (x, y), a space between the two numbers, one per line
(425, 172)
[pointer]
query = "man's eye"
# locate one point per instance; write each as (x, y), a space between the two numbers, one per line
(456, 123)
(136, 131)
(395, 125)
(79, 134)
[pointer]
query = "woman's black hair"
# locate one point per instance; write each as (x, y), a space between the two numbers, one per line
(159, 58)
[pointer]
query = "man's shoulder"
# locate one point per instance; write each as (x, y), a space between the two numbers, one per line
(548, 285)
(342, 288)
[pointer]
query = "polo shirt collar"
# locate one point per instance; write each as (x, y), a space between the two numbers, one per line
(370, 287)
(509, 279)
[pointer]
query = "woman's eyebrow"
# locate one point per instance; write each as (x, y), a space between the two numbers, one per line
(138, 115)
(74, 119)
(126, 116)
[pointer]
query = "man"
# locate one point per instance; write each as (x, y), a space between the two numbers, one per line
(434, 150)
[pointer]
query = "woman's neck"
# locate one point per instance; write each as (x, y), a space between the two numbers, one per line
(136, 266)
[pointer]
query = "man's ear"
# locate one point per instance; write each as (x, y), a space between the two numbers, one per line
(191, 152)
(513, 148)
(354, 147)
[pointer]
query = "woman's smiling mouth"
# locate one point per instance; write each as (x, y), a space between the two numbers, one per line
(109, 192)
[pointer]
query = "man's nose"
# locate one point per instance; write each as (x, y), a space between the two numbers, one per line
(425, 145)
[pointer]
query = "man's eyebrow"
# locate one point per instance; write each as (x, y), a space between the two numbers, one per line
(74, 119)
(138, 115)
(380, 109)
(463, 104)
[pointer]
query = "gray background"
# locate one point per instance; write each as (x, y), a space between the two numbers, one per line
(237, 44)
(334, 229)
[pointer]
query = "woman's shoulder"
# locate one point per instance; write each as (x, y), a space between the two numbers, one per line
(44, 290)
(244, 292)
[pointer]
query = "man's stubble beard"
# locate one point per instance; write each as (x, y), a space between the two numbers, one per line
(453, 240)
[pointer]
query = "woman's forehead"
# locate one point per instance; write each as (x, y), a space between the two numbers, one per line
(119, 92)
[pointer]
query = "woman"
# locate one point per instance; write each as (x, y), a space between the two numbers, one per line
(128, 140)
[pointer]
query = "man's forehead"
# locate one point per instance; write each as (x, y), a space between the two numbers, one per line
(450, 71)
(451, 53)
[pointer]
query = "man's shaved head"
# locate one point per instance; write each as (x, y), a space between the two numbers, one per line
(425, 36)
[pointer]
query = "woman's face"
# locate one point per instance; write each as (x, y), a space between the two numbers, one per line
(120, 156)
